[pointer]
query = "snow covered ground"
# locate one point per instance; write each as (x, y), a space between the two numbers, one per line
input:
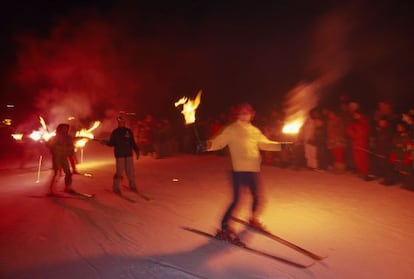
(365, 229)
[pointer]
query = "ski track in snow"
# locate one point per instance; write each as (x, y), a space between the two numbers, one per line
(365, 229)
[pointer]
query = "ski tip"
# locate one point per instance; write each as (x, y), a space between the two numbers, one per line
(187, 228)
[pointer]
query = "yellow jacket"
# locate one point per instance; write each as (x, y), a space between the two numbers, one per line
(245, 142)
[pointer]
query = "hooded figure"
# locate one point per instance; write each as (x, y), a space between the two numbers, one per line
(61, 146)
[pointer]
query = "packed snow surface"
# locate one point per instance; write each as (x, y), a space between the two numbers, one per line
(366, 230)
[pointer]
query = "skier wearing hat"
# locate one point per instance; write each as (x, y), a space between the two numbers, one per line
(244, 141)
(123, 142)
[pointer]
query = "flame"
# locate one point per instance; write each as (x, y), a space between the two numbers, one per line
(43, 133)
(299, 102)
(292, 127)
(189, 107)
(17, 137)
(43, 123)
(7, 122)
(35, 135)
(84, 135)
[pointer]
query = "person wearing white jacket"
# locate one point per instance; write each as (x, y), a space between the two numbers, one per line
(244, 141)
(308, 137)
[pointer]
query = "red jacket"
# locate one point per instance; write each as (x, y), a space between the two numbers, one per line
(358, 131)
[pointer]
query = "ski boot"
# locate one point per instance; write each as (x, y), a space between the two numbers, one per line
(229, 235)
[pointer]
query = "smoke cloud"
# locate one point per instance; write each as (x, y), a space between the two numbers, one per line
(329, 61)
(81, 69)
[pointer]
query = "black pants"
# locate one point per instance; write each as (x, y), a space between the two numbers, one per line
(242, 178)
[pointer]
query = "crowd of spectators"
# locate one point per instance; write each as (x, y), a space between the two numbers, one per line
(343, 138)
(348, 139)
(340, 139)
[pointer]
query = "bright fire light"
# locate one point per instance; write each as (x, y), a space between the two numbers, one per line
(85, 135)
(298, 103)
(43, 133)
(189, 107)
(292, 128)
(17, 137)
(7, 122)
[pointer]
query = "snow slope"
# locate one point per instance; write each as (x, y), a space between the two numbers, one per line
(365, 229)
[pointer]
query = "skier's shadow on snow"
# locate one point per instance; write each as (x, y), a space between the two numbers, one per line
(197, 260)
(83, 213)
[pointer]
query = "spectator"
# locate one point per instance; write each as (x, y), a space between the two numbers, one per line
(336, 140)
(383, 137)
(358, 131)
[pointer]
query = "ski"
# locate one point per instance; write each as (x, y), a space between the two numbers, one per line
(126, 198)
(281, 240)
(143, 196)
(83, 173)
(54, 195)
(84, 195)
(252, 250)
(139, 194)
(122, 196)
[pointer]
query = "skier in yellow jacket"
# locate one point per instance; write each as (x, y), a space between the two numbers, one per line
(244, 141)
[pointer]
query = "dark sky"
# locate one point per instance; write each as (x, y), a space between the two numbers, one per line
(88, 57)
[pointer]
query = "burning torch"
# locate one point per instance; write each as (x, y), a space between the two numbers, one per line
(189, 109)
(42, 134)
(84, 135)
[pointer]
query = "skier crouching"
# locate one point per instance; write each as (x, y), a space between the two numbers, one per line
(244, 141)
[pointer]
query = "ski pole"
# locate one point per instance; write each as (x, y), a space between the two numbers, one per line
(81, 155)
(370, 152)
(38, 169)
(196, 133)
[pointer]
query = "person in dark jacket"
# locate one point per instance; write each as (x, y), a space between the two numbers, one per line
(61, 146)
(123, 142)
(382, 149)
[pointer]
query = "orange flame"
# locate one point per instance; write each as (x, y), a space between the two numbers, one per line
(189, 107)
(17, 137)
(43, 123)
(43, 133)
(85, 135)
(292, 127)
(299, 102)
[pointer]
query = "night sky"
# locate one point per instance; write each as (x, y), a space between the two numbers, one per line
(86, 58)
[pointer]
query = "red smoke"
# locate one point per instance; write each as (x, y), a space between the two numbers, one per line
(81, 68)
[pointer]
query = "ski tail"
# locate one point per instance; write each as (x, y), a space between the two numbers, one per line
(281, 240)
(138, 193)
(250, 249)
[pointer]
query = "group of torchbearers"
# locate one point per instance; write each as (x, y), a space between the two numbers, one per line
(62, 150)
(244, 141)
